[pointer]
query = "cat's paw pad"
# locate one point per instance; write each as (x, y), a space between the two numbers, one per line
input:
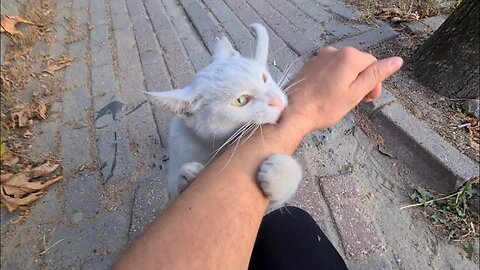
(188, 172)
(279, 177)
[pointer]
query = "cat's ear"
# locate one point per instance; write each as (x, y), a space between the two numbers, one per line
(179, 101)
(223, 49)
(261, 49)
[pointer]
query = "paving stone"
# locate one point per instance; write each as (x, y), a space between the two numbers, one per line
(290, 34)
(82, 197)
(340, 30)
(151, 198)
(103, 82)
(309, 27)
(197, 52)
(80, 4)
(99, 33)
(76, 103)
(239, 34)
(100, 262)
(135, 8)
(101, 54)
(75, 149)
(78, 50)
(97, 7)
(344, 11)
(202, 23)
(359, 235)
(116, 161)
(313, 9)
(77, 74)
(127, 52)
(106, 234)
(45, 140)
(119, 13)
(367, 39)
(82, 17)
(174, 54)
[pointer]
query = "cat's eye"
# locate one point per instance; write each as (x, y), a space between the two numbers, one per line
(241, 101)
(264, 77)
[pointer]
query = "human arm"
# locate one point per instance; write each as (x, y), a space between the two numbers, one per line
(214, 223)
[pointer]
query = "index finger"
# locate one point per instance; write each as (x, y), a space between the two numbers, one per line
(375, 74)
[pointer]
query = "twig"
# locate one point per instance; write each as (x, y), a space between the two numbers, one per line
(54, 244)
(433, 200)
(464, 125)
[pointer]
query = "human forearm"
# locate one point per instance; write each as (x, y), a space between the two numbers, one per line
(213, 224)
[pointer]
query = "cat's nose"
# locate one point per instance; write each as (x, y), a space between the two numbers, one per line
(275, 101)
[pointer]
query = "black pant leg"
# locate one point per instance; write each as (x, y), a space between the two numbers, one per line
(291, 239)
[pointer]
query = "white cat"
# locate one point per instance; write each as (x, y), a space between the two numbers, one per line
(226, 99)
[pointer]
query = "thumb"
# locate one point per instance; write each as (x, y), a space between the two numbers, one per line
(374, 74)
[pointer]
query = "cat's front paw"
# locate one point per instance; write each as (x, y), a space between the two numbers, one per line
(279, 177)
(188, 172)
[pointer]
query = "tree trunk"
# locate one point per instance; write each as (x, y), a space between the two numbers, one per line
(448, 62)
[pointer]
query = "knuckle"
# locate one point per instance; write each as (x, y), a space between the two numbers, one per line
(349, 51)
(376, 75)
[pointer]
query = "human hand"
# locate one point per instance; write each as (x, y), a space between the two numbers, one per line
(333, 82)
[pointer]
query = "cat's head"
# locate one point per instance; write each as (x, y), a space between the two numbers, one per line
(229, 92)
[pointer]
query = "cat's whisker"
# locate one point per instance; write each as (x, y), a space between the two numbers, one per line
(261, 133)
(236, 146)
(286, 73)
(252, 131)
(287, 90)
(229, 141)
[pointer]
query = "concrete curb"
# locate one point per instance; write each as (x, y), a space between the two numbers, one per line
(444, 167)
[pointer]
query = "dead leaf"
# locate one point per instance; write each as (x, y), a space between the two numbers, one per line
(4, 177)
(8, 24)
(43, 169)
(9, 160)
(41, 110)
(21, 115)
(27, 134)
(50, 69)
(21, 189)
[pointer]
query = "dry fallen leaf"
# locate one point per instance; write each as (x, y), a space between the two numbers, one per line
(41, 110)
(21, 115)
(21, 189)
(27, 134)
(50, 69)
(8, 159)
(8, 24)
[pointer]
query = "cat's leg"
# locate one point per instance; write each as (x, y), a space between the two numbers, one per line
(279, 177)
(188, 172)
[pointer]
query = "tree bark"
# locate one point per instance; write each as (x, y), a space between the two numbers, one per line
(448, 61)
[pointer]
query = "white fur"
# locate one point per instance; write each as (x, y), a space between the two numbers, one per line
(205, 117)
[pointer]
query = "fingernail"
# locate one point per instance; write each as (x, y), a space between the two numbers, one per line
(396, 62)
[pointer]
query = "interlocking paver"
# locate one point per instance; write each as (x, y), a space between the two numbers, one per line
(295, 39)
(308, 26)
(197, 52)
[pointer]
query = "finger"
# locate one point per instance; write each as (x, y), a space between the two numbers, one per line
(325, 55)
(351, 62)
(374, 94)
(375, 74)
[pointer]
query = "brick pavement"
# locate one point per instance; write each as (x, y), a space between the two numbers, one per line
(112, 142)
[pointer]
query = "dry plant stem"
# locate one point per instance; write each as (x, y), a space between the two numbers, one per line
(433, 200)
(54, 244)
